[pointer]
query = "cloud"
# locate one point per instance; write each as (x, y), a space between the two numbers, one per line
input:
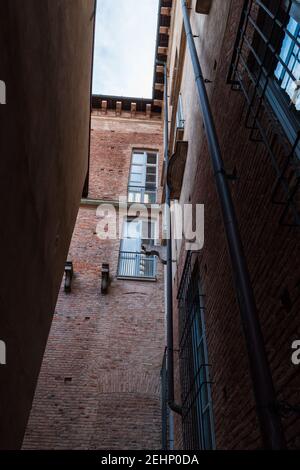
(125, 47)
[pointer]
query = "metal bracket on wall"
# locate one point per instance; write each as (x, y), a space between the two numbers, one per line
(156, 250)
(232, 175)
(68, 276)
(105, 280)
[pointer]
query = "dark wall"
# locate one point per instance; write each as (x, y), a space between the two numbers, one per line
(46, 57)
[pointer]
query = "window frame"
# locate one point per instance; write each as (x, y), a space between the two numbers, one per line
(152, 190)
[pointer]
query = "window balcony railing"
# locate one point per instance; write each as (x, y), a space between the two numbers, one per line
(136, 265)
(142, 194)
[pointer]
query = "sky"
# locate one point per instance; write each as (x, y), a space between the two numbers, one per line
(125, 47)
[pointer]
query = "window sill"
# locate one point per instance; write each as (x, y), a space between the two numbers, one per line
(136, 278)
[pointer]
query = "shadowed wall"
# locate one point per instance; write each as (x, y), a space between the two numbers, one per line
(46, 57)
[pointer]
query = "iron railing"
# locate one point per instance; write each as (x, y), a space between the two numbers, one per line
(136, 265)
(142, 194)
(266, 68)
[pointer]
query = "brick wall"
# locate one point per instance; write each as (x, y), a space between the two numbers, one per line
(99, 386)
(272, 250)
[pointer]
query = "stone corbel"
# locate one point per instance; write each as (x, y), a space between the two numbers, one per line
(68, 276)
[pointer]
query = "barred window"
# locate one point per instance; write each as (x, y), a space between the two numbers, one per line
(197, 416)
(266, 68)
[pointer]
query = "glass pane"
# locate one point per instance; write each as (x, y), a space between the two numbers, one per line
(151, 158)
(289, 54)
(179, 116)
(138, 158)
(137, 169)
(136, 178)
(151, 170)
(148, 230)
(151, 179)
(132, 229)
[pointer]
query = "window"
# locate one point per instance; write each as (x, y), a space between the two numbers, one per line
(197, 416)
(282, 89)
(288, 71)
(132, 262)
(266, 68)
(143, 177)
(179, 124)
(179, 115)
(174, 78)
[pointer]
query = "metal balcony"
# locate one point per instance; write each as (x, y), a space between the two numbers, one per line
(136, 265)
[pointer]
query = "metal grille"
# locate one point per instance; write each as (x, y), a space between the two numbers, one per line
(197, 415)
(266, 68)
(136, 265)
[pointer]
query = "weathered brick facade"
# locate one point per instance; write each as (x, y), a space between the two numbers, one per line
(272, 250)
(99, 386)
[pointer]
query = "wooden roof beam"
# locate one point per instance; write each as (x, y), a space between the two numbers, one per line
(148, 110)
(118, 108)
(164, 30)
(104, 106)
(133, 109)
(162, 50)
(158, 103)
(159, 86)
(165, 11)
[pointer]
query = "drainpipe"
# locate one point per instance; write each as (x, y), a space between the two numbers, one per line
(267, 412)
(170, 346)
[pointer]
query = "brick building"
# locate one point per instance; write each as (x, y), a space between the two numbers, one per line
(248, 79)
(99, 386)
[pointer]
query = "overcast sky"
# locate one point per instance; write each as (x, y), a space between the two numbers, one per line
(125, 47)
